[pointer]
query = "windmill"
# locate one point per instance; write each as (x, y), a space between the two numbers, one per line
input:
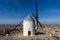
(36, 16)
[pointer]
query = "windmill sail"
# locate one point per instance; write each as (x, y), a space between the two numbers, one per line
(36, 16)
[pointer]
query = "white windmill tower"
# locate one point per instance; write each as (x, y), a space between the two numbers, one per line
(29, 26)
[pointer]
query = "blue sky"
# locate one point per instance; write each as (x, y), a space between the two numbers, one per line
(13, 11)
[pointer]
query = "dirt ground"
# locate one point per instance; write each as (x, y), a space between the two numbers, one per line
(51, 31)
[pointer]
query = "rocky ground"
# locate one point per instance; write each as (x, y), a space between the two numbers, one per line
(52, 32)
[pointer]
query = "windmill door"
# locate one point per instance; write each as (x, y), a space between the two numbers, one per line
(29, 32)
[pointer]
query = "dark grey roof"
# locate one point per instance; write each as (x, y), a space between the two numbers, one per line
(29, 18)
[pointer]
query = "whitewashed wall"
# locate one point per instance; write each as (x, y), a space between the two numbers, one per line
(28, 26)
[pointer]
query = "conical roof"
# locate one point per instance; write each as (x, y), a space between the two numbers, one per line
(29, 18)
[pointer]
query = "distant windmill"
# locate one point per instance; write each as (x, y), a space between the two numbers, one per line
(36, 16)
